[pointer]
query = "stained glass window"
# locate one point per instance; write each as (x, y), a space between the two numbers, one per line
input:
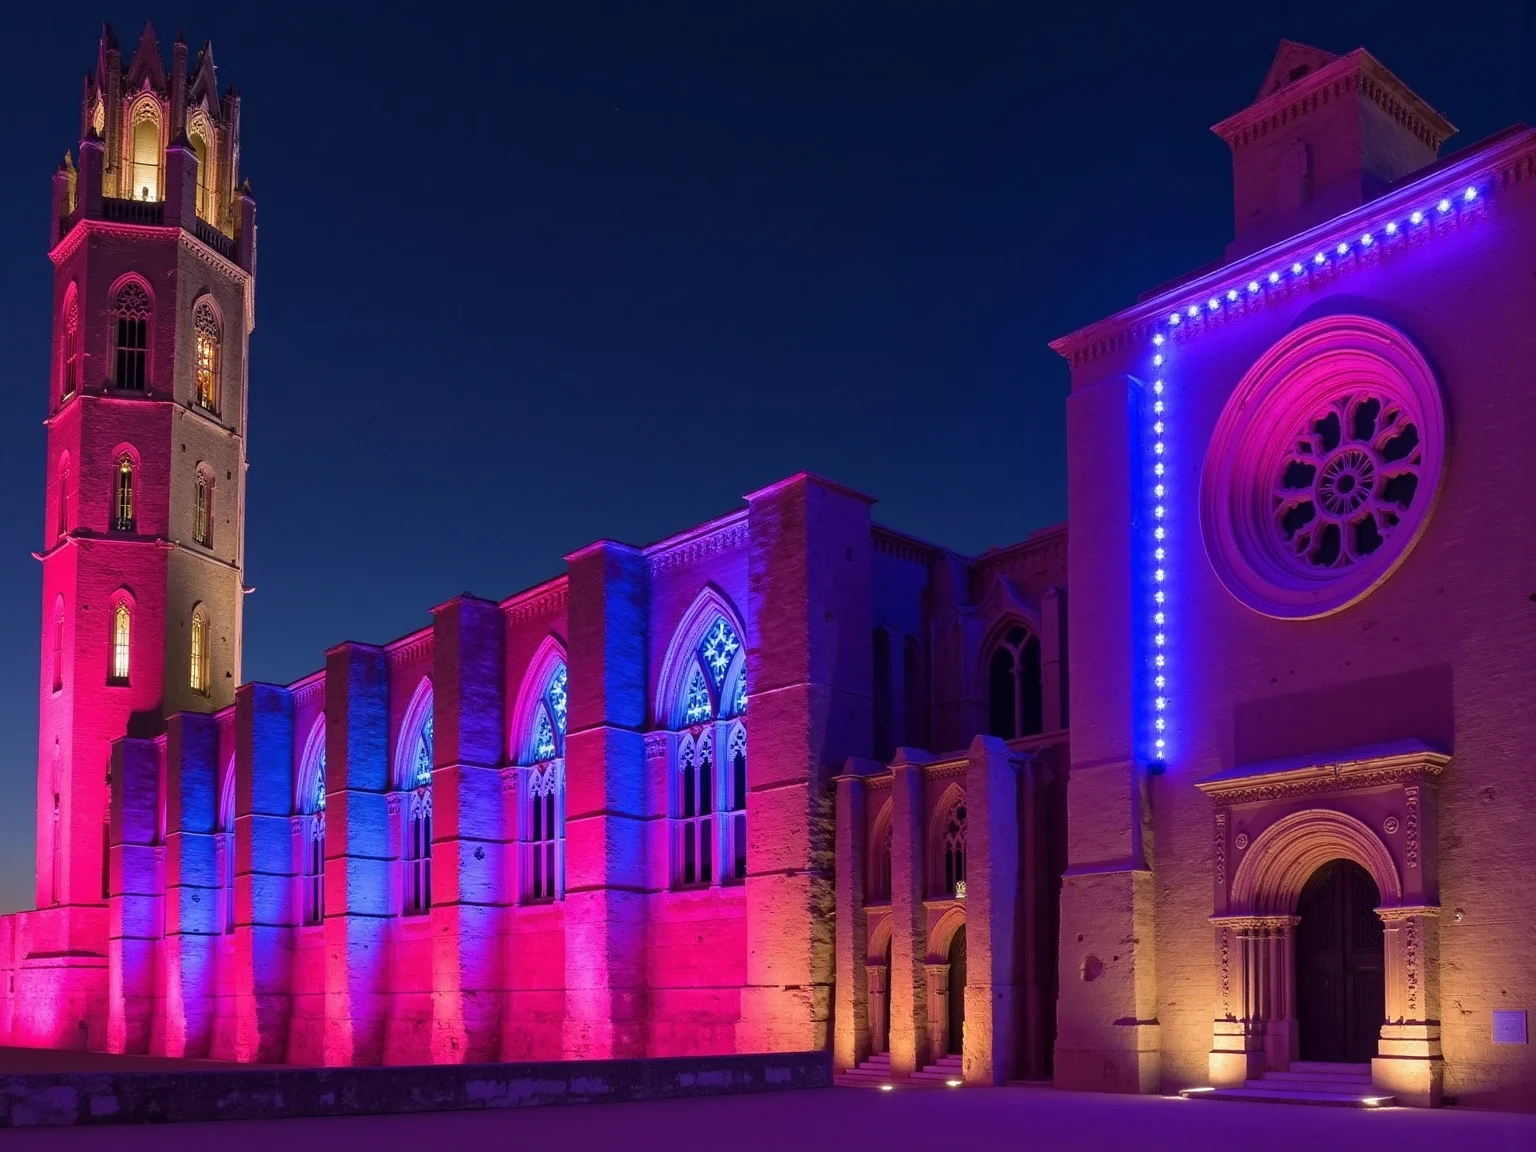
(739, 703)
(557, 697)
(121, 623)
(423, 773)
(696, 703)
(544, 738)
(719, 646)
(320, 780)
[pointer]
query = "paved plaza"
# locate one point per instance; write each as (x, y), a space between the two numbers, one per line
(843, 1118)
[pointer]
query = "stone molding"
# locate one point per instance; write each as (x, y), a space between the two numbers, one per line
(717, 539)
(1262, 783)
(541, 601)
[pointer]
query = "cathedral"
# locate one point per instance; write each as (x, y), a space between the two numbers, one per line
(1256, 824)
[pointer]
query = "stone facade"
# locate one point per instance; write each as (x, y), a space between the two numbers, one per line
(792, 780)
(1295, 638)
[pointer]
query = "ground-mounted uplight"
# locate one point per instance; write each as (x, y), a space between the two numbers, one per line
(1161, 549)
(887, 1087)
(953, 1083)
(1374, 1101)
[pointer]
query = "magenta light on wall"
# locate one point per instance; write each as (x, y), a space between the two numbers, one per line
(1159, 671)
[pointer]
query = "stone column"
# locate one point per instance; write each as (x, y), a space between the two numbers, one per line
(810, 667)
(851, 1040)
(135, 908)
(470, 841)
(991, 1039)
(265, 908)
(1409, 1063)
(1107, 1036)
(605, 902)
(358, 862)
(194, 883)
(909, 1035)
(1255, 1028)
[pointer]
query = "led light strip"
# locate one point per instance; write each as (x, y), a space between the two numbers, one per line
(1159, 683)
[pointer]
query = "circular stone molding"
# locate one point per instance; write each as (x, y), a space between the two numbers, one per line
(1323, 468)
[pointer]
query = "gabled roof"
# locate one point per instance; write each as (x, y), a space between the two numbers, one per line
(1292, 62)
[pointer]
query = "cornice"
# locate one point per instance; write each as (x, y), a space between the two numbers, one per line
(900, 546)
(712, 540)
(543, 600)
(310, 690)
(1263, 783)
(410, 649)
(1506, 161)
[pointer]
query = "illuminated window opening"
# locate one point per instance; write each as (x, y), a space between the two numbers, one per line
(418, 819)
(200, 672)
(69, 347)
(144, 167)
(122, 519)
(122, 624)
(206, 324)
(202, 510)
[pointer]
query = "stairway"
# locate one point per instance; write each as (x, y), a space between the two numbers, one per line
(1306, 1082)
(940, 1074)
(871, 1074)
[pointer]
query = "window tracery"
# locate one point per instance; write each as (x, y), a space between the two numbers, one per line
(205, 325)
(1015, 705)
(130, 337)
(312, 809)
(122, 518)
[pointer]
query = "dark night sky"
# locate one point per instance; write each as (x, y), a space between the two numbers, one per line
(536, 274)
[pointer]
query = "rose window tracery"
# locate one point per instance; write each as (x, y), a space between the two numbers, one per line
(1323, 468)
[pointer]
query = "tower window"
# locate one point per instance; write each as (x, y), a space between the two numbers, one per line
(206, 324)
(58, 648)
(144, 170)
(122, 502)
(69, 347)
(122, 623)
(202, 509)
(198, 134)
(130, 348)
(63, 497)
(199, 674)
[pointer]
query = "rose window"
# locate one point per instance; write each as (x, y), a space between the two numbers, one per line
(1323, 468)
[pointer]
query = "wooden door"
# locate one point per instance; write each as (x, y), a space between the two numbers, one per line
(1340, 985)
(957, 992)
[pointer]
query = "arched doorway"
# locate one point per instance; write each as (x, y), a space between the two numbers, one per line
(883, 1008)
(957, 992)
(1340, 963)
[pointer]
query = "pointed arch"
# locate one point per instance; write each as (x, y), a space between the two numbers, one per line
(133, 306)
(1276, 866)
(682, 658)
(202, 505)
(310, 804)
(947, 843)
(208, 337)
(1011, 669)
(877, 886)
(548, 660)
(226, 841)
(71, 334)
(309, 781)
(943, 934)
(60, 620)
(62, 519)
(146, 150)
(227, 798)
(200, 135)
(200, 652)
(120, 652)
(415, 734)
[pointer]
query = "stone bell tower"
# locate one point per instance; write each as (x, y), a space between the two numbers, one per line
(153, 246)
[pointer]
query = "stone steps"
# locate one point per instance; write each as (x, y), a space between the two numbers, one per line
(1305, 1082)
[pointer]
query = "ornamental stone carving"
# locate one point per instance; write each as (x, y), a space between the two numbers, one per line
(1323, 468)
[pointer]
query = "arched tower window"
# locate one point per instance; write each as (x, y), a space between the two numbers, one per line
(144, 167)
(202, 508)
(200, 673)
(62, 498)
(122, 625)
(414, 766)
(205, 323)
(58, 645)
(709, 795)
(543, 822)
(312, 811)
(70, 339)
(130, 337)
(199, 135)
(879, 887)
(1013, 686)
(122, 495)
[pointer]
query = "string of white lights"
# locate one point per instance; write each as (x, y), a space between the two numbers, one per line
(1160, 689)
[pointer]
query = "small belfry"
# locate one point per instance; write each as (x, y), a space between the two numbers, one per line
(153, 249)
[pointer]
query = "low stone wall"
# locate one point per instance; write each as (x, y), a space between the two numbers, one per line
(197, 1094)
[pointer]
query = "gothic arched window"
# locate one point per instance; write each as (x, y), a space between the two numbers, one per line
(880, 864)
(122, 495)
(415, 763)
(1013, 686)
(543, 822)
(144, 167)
(710, 792)
(202, 508)
(199, 673)
(69, 346)
(951, 863)
(312, 830)
(122, 625)
(62, 497)
(130, 337)
(199, 135)
(58, 645)
(205, 325)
